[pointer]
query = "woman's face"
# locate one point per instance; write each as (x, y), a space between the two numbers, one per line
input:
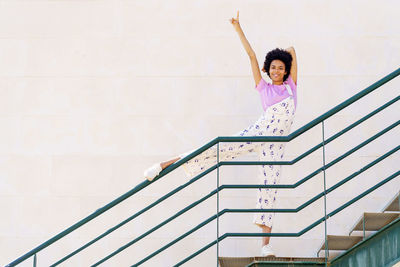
(277, 71)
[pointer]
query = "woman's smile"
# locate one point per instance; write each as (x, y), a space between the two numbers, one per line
(277, 71)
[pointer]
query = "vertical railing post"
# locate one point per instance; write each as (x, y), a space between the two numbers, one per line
(363, 226)
(217, 204)
(34, 261)
(326, 219)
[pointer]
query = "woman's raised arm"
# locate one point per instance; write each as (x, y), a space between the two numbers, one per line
(253, 59)
(293, 69)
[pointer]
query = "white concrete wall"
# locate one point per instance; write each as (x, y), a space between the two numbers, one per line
(92, 92)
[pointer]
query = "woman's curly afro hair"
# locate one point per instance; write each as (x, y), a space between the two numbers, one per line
(281, 55)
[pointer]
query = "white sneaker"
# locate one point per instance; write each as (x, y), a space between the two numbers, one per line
(152, 172)
(267, 251)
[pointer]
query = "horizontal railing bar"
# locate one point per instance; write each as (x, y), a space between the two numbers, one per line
(144, 184)
(260, 210)
(260, 234)
(293, 234)
(256, 186)
(268, 186)
(224, 163)
(236, 139)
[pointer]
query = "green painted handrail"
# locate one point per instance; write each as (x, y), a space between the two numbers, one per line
(200, 150)
(228, 163)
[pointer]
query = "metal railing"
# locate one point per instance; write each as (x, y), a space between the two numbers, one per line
(219, 188)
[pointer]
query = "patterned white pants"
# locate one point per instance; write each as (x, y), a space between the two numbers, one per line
(276, 121)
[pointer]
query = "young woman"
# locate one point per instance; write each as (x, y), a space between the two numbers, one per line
(279, 100)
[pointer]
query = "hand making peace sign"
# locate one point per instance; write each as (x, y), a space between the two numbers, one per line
(235, 22)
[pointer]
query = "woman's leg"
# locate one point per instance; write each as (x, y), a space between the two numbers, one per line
(227, 151)
(265, 239)
(165, 164)
(267, 196)
(203, 161)
(266, 199)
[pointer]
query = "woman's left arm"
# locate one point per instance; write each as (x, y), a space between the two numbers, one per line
(293, 69)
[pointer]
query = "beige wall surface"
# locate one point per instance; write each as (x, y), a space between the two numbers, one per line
(92, 92)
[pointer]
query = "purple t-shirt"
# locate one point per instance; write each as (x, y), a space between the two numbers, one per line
(271, 94)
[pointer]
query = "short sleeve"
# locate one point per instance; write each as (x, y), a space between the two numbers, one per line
(261, 85)
(291, 83)
(293, 86)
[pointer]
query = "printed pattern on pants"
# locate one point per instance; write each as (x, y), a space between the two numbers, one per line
(275, 121)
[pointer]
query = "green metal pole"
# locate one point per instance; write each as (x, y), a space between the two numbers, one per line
(326, 228)
(363, 226)
(34, 261)
(217, 204)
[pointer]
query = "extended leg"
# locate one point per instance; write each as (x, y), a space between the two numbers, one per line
(168, 163)
(227, 151)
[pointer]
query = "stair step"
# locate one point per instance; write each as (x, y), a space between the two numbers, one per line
(339, 242)
(374, 221)
(394, 205)
(244, 261)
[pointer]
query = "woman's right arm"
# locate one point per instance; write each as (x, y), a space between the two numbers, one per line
(253, 59)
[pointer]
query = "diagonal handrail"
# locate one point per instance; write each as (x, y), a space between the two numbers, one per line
(292, 162)
(144, 184)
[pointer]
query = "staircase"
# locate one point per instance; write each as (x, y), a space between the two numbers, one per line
(369, 222)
